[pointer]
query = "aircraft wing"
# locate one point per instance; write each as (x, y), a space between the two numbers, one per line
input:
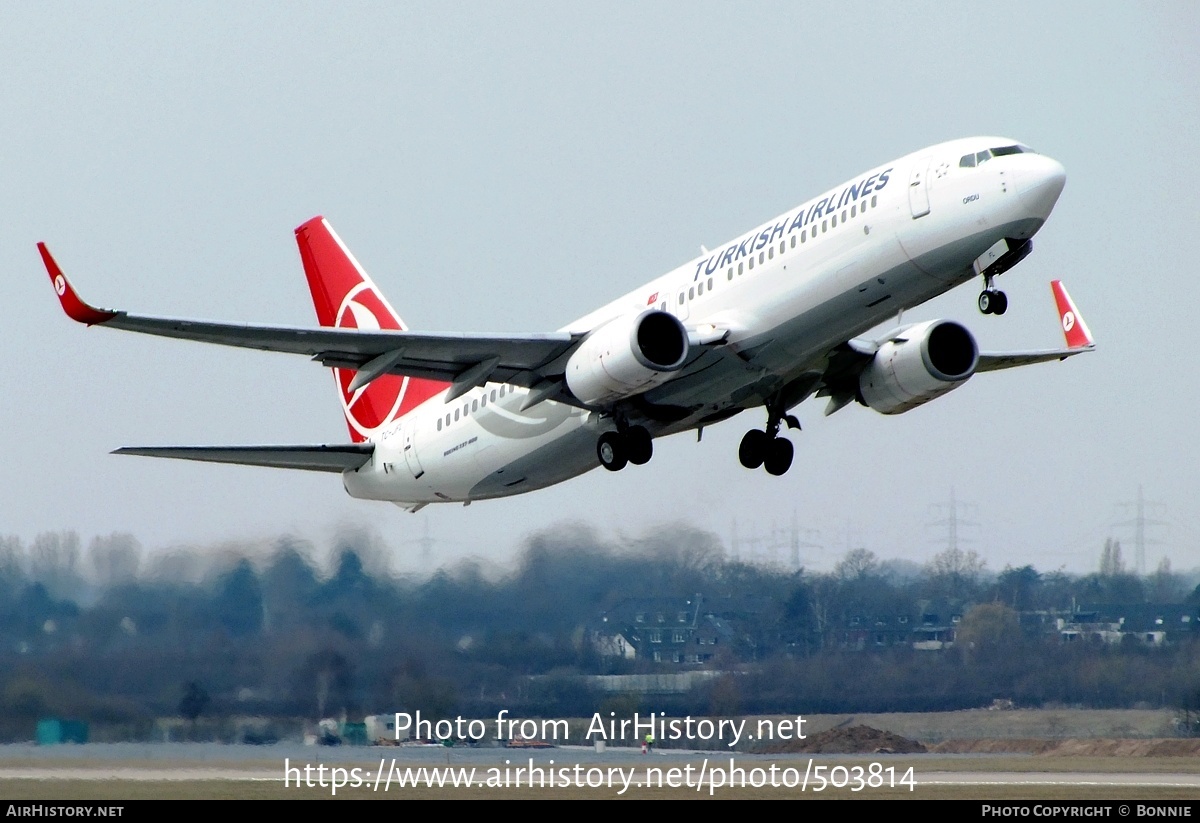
(1075, 330)
(839, 381)
(334, 458)
(465, 360)
(994, 361)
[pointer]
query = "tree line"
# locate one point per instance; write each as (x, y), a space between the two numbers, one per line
(118, 636)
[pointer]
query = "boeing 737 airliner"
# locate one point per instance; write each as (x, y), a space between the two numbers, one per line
(764, 321)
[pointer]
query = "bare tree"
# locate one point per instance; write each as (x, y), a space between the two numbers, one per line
(115, 559)
(1111, 563)
(955, 573)
(857, 564)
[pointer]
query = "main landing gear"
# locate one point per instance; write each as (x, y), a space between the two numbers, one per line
(767, 448)
(616, 449)
(991, 299)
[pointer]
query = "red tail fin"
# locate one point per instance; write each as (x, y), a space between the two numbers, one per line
(346, 298)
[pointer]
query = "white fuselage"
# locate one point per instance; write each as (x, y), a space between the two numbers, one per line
(788, 292)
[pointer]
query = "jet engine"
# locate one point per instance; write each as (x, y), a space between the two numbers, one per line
(916, 365)
(627, 356)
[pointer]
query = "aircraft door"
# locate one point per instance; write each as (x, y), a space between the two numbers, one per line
(410, 454)
(918, 188)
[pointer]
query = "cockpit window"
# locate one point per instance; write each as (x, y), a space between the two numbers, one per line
(970, 161)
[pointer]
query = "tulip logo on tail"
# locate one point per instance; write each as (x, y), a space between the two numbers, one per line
(336, 279)
(1074, 328)
(380, 401)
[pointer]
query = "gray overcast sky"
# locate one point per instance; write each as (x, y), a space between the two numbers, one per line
(509, 167)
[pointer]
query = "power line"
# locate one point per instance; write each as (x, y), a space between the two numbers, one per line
(1139, 523)
(953, 522)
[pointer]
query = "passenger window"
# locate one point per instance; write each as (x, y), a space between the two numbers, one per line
(751, 262)
(692, 293)
(447, 418)
(803, 235)
(681, 298)
(466, 409)
(760, 258)
(493, 395)
(843, 215)
(439, 424)
(854, 211)
(874, 197)
(783, 246)
(483, 401)
(771, 252)
(700, 288)
(456, 414)
(793, 241)
(824, 225)
(663, 307)
(833, 222)
(502, 391)
(474, 405)
(967, 161)
(710, 284)
(740, 267)
(729, 276)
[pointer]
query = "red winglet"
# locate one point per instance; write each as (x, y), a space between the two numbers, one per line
(75, 308)
(1074, 329)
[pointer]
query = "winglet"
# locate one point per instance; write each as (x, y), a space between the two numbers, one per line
(75, 308)
(1075, 331)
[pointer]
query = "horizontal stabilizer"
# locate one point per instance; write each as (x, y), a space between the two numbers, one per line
(337, 458)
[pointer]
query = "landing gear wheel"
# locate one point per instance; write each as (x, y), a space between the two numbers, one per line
(639, 446)
(985, 302)
(999, 302)
(753, 449)
(610, 448)
(992, 301)
(779, 456)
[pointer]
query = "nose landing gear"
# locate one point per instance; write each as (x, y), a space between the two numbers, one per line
(991, 300)
(1002, 256)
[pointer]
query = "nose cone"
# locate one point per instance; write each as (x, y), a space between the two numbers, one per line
(1039, 182)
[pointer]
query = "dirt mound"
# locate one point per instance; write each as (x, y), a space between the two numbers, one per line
(1104, 747)
(1006, 745)
(1160, 747)
(848, 740)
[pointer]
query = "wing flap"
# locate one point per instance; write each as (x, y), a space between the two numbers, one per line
(319, 458)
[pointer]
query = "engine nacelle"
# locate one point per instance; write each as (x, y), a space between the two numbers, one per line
(922, 362)
(627, 356)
